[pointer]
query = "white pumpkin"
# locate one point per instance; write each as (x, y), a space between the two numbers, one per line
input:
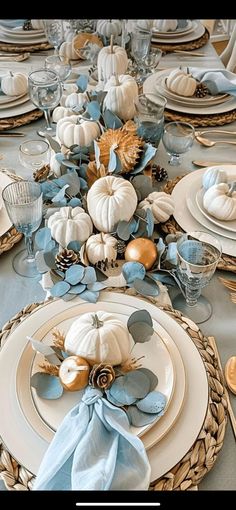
(165, 25)
(121, 93)
(99, 337)
(69, 35)
(212, 176)
(60, 112)
(70, 224)
(220, 202)
(108, 27)
(101, 247)
(146, 24)
(109, 200)
(67, 50)
(111, 60)
(55, 165)
(14, 84)
(161, 205)
(73, 130)
(37, 24)
(181, 83)
(69, 88)
(76, 99)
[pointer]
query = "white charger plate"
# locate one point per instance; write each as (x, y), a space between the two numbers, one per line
(18, 101)
(19, 109)
(22, 40)
(20, 31)
(28, 447)
(227, 225)
(198, 31)
(183, 216)
(178, 32)
(5, 99)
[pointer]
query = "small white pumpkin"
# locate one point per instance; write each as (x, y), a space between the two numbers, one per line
(74, 130)
(67, 50)
(60, 112)
(55, 165)
(111, 60)
(161, 205)
(69, 88)
(121, 93)
(37, 24)
(109, 200)
(212, 176)
(146, 24)
(165, 25)
(101, 247)
(108, 27)
(76, 99)
(181, 83)
(70, 224)
(99, 337)
(14, 84)
(220, 202)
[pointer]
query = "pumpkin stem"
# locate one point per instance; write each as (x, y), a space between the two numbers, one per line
(96, 322)
(231, 189)
(111, 43)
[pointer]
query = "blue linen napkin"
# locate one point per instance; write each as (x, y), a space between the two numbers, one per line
(218, 81)
(12, 23)
(93, 449)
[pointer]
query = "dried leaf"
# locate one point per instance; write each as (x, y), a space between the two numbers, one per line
(94, 173)
(47, 386)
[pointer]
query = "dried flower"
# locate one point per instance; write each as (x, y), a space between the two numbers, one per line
(101, 376)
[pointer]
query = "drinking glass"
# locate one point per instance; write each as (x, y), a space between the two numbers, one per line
(152, 60)
(45, 91)
(149, 117)
(23, 202)
(54, 32)
(197, 256)
(34, 154)
(60, 65)
(178, 138)
(140, 45)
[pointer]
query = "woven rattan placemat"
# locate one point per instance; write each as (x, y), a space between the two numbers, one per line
(191, 45)
(21, 48)
(201, 456)
(217, 119)
(226, 263)
(20, 120)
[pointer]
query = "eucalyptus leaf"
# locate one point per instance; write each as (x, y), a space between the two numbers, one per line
(101, 277)
(43, 237)
(139, 419)
(82, 172)
(153, 380)
(150, 223)
(44, 349)
(140, 316)
(133, 270)
(42, 266)
(171, 254)
(53, 143)
(93, 108)
(82, 82)
(146, 287)
(59, 289)
(83, 184)
(68, 296)
(75, 202)
(142, 230)
(143, 185)
(130, 387)
(47, 386)
(141, 332)
(118, 168)
(89, 275)
(160, 277)
(112, 399)
(77, 289)
(60, 157)
(154, 403)
(74, 245)
(111, 120)
(74, 274)
(96, 286)
(49, 257)
(124, 230)
(60, 195)
(90, 296)
(69, 164)
(147, 155)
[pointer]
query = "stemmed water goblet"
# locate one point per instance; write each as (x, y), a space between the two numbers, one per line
(60, 65)
(197, 256)
(54, 32)
(45, 91)
(178, 138)
(34, 154)
(140, 45)
(23, 202)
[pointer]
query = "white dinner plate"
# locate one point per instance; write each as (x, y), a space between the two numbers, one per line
(26, 107)
(151, 86)
(20, 31)
(5, 223)
(25, 34)
(5, 99)
(182, 215)
(192, 36)
(28, 447)
(22, 40)
(45, 416)
(18, 101)
(227, 225)
(178, 32)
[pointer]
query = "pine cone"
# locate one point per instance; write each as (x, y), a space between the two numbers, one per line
(65, 259)
(101, 376)
(121, 247)
(41, 174)
(27, 25)
(160, 174)
(201, 90)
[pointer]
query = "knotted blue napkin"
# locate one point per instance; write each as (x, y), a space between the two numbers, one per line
(12, 23)
(218, 81)
(93, 449)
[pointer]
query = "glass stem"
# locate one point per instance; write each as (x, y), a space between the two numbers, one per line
(29, 247)
(192, 295)
(48, 119)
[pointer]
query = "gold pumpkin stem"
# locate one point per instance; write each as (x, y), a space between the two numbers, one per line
(111, 43)
(96, 322)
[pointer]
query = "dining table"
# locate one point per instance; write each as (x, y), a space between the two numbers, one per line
(17, 291)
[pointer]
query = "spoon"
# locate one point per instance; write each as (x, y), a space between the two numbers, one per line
(230, 374)
(211, 143)
(200, 133)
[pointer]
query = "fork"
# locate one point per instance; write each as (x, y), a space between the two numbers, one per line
(199, 133)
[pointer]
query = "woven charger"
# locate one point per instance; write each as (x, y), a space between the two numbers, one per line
(10, 238)
(219, 119)
(22, 48)
(226, 262)
(20, 120)
(191, 45)
(203, 453)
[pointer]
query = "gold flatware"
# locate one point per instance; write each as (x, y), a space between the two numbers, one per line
(230, 374)
(11, 133)
(189, 53)
(210, 163)
(230, 284)
(14, 57)
(211, 143)
(230, 409)
(200, 133)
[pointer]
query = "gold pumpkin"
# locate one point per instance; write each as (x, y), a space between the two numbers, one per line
(142, 250)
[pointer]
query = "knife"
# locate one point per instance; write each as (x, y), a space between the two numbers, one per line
(11, 133)
(211, 163)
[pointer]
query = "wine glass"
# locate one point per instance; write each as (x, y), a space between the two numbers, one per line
(140, 45)
(23, 202)
(197, 256)
(54, 32)
(60, 65)
(45, 91)
(178, 138)
(34, 154)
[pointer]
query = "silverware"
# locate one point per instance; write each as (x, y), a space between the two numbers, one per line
(230, 374)
(211, 163)
(11, 133)
(200, 133)
(14, 58)
(189, 53)
(230, 409)
(211, 143)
